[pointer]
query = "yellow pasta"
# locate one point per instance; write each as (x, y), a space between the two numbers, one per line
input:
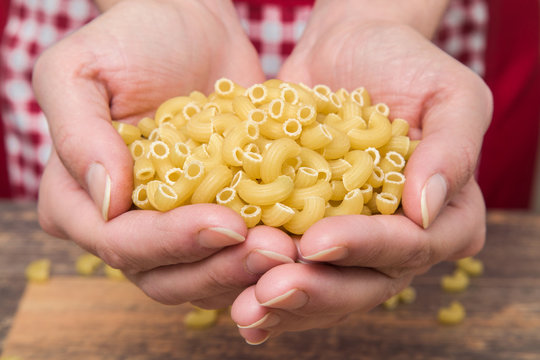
(339, 145)
(352, 204)
(251, 215)
(216, 179)
(226, 88)
(277, 153)
(320, 189)
(265, 194)
(392, 161)
(338, 190)
(361, 170)
(273, 158)
(386, 203)
(139, 148)
(251, 163)
(129, 133)
(276, 215)
(400, 127)
(143, 170)
(399, 144)
(315, 137)
(305, 177)
(229, 197)
(140, 198)
(239, 136)
(393, 183)
(378, 132)
(192, 176)
(316, 161)
(38, 271)
(161, 196)
(146, 125)
(170, 108)
(312, 211)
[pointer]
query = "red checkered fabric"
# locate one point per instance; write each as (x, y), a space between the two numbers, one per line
(273, 26)
(32, 26)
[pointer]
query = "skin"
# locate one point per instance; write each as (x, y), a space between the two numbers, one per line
(121, 67)
(372, 258)
(135, 56)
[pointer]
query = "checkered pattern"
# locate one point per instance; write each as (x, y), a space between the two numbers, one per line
(463, 33)
(273, 27)
(32, 26)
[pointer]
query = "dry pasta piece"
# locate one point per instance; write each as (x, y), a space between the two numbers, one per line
(305, 177)
(386, 203)
(251, 215)
(128, 132)
(352, 204)
(377, 134)
(391, 303)
(313, 211)
(216, 179)
(161, 196)
(265, 194)
(407, 295)
(226, 88)
(452, 315)
(200, 319)
(457, 282)
(297, 196)
(276, 215)
(392, 161)
(393, 183)
(87, 264)
(229, 197)
(400, 127)
(315, 136)
(471, 266)
(114, 274)
(275, 156)
(361, 170)
(38, 271)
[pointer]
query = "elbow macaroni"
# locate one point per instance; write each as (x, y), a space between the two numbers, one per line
(277, 153)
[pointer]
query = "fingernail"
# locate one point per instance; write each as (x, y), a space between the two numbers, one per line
(266, 321)
(258, 342)
(99, 187)
(433, 197)
(217, 237)
(332, 254)
(260, 261)
(292, 299)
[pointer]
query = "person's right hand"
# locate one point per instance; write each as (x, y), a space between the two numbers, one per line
(121, 67)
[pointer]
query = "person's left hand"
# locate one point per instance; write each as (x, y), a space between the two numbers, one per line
(357, 262)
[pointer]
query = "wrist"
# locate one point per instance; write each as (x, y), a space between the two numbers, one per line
(422, 15)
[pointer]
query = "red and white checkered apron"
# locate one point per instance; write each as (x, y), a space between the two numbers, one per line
(273, 26)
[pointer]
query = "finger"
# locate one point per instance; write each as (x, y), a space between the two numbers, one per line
(454, 122)
(383, 241)
(75, 100)
(136, 240)
(304, 296)
(224, 273)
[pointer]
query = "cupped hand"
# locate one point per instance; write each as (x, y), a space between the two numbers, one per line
(121, 67)
(357, 262)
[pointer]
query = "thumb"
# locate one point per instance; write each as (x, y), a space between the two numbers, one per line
(76, 105)
(453, 127)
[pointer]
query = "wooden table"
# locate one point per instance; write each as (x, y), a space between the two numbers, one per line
(94, 318)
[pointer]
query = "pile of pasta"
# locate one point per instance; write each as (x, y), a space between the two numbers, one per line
(278, 153)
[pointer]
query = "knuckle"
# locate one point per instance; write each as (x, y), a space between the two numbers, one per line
(153, 289)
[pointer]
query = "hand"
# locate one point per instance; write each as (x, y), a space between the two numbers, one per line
(357, 262)
(121, 67)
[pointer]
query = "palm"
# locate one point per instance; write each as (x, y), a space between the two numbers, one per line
(393, 63)
(146, 52)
